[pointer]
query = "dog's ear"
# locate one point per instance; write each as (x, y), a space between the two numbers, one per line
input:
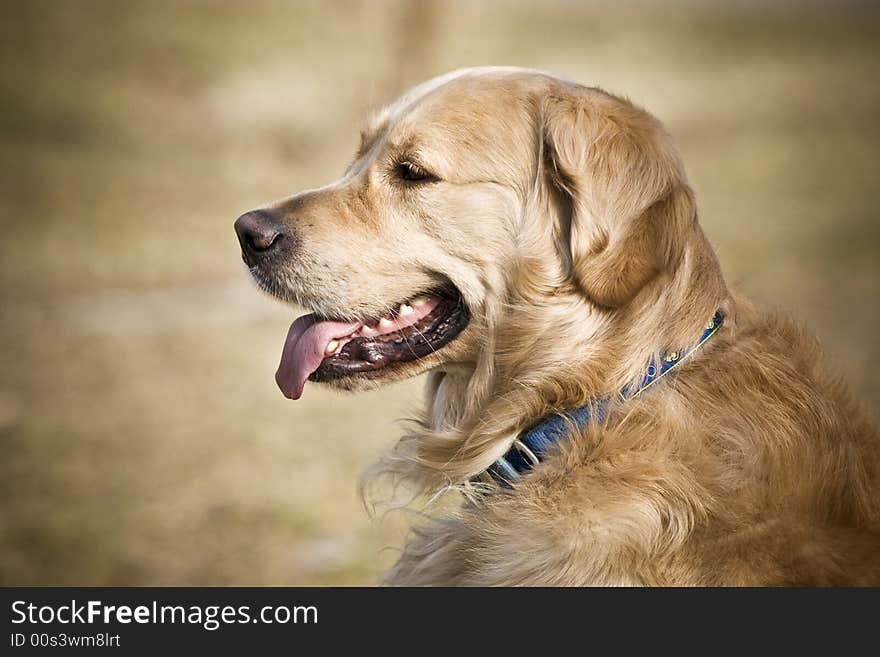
(620, 183)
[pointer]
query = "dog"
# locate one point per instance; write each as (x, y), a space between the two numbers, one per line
(612, 412)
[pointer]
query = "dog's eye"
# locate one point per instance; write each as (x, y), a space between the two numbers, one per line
(411, 172)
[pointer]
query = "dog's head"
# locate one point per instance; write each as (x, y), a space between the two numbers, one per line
(471, 191)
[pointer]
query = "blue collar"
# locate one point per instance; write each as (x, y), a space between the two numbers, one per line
(531, 445)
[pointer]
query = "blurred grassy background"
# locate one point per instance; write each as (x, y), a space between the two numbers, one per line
(142, 440)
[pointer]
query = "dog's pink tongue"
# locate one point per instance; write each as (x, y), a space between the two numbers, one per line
(304, 349)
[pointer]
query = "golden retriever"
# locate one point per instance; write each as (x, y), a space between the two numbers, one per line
(533, 244)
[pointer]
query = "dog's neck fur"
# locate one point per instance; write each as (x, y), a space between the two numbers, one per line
(611, 353)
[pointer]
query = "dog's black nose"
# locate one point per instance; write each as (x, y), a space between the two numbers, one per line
(259, 232)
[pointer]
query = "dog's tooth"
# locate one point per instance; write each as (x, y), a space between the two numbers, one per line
(332, 346)
(405, 310)
(418, 302)
(369, 331)
(385, 323)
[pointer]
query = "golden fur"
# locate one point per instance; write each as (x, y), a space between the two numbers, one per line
(564, 217)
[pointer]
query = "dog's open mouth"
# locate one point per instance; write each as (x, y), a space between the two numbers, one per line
(326, 349)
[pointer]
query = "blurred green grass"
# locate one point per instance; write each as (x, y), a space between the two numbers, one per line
(143, 440)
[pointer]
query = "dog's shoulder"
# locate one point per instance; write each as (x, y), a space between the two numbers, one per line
(752, 465)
